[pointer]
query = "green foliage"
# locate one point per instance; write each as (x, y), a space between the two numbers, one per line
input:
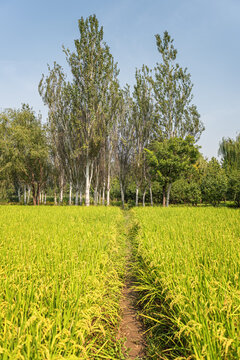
(24, 149)
(234, 186)
(185, 192)
(171, 158)
(230, 151)
(172, 86)
(214, 183)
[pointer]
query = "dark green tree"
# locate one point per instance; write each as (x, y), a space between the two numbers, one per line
(170, 159)
(25, 150)
(214, 183)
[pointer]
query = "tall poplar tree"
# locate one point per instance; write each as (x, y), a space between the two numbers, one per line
(92, 68)
(178, 116)
(144, 117)
(172, 85)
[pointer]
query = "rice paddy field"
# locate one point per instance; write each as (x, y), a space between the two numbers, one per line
(61, 275)
(62, 271)
(188, 279)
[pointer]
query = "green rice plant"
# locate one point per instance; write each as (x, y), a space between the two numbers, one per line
(61, 275)
(188, 270)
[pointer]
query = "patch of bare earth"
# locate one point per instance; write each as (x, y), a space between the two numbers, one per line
(131, 327)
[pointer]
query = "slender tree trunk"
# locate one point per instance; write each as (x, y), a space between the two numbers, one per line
(109, 179)
(122, 195)
(19, 194)
(103, 193)
(61, 190)
(144, 196)
(38, 193)
(168, 193)
(34, 198)
(45, 198)
(164, 196)
(95, 195)
(61, 196)
(80, 197)
(28, 194)
(70, 194)
(87, 175)
(151, 196)
(25, 194)
(99, 197)
(96, 187)
(137, 191)
(55, 198)
(76, 197)
(34, 191)
(108, 190)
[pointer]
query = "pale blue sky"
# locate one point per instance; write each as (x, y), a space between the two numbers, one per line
(206, 34)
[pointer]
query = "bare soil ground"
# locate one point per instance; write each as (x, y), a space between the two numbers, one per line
(131, 328)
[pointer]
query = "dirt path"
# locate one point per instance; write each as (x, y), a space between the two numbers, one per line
(131, 327)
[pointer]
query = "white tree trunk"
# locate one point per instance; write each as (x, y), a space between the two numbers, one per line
(168, 193)
(96, 188)
(80, 197)
(151, 197)
(76, 198)
(144, 195)
(25, 194)
(45, 198)
(87, 175)
(70, 193)
(19, 194)
(28, 194)
(108, 188)
(61, 189)
(137, 191)
(61, 196)
(122, 195)
(103, 194)
(109, 179)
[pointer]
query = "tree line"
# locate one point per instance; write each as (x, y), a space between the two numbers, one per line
(102, 141)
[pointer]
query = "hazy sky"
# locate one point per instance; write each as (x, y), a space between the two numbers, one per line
(206, 34)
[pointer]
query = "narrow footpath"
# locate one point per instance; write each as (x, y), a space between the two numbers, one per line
(131, 328)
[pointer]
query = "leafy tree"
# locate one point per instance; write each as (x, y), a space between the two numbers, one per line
(170, 159)
(143, 121)
(172, 86)
(187, 192)
(93, 70)
(214, 183)
(234, 186)
(230, 151)
(25, 150)
(125, 140)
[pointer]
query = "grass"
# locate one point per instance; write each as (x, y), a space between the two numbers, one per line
(188, 270)
(61, 275)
